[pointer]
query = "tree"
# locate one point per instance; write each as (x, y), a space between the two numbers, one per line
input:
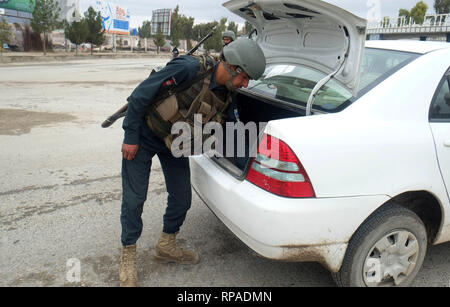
(145, 32)
(96, 35)
(181, 27)
(159, 39)
(442, 6)
(232, 26)
(418, 12)
(189, 44)
(45, 18)
(385, 22)
(77, 32)
(404, 13)
(201, 30)
(5, 34)
(188, 27)
(215, 42)
(175, 30)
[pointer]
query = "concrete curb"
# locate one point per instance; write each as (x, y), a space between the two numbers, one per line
(6, 59)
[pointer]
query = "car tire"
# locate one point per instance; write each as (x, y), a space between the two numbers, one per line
(378, 254)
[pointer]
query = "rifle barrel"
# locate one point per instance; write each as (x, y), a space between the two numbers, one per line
(202, 41)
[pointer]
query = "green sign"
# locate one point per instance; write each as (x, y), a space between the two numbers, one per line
(18, 5)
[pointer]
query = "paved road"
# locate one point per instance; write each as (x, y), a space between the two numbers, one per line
(60, 192)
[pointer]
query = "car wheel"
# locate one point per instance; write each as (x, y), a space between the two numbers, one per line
(387, 250)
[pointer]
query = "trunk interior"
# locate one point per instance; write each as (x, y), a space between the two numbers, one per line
(259, 110)
(256, 109)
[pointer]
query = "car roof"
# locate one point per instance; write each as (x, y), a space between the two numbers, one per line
(421, 47)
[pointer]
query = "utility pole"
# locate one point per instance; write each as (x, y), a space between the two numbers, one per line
(114, 43)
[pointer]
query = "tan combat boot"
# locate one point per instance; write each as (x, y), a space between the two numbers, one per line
(168, 251)
(128, 268)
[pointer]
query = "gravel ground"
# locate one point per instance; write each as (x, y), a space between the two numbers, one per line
(60, 191)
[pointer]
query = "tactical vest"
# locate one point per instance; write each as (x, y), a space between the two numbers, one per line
(180, 105)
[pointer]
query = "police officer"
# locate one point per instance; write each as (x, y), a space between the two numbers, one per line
(175, 52)
(228, 37)
(147, 133)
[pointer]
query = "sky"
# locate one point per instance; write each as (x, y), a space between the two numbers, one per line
(210, 10)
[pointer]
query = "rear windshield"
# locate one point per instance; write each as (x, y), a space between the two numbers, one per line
(294, 83)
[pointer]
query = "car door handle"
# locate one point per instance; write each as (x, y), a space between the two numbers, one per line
(447, 143)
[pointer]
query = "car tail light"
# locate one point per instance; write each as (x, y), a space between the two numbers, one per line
(277, 169)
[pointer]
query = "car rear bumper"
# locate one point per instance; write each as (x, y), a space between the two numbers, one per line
(315, 229)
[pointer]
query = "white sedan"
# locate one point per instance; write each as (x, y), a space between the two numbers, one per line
(362, 184)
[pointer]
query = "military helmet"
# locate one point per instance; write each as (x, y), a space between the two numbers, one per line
(246, 54)
(229, 34)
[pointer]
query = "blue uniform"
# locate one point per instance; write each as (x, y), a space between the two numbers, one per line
(136, 173)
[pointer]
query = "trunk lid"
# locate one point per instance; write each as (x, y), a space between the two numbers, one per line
(308, 32)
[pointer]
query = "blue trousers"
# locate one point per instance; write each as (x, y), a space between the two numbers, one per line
(135, 182)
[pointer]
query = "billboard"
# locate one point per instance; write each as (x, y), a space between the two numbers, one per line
(162, 19)
(115, 19)
(18, 5)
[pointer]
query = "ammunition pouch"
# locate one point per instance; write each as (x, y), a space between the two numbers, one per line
(183, 105)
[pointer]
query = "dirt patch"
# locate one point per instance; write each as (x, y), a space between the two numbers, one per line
(106, 267)
(17, 122)
(45, 279)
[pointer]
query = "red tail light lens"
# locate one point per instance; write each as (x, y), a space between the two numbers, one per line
(277, 169)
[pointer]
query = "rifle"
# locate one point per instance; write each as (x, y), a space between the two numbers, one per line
(123, 110)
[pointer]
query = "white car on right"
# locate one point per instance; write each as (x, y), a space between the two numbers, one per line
(360, 178)
(376, 168)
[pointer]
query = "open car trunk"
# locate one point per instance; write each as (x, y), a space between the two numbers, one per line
(314, 33)
(259, 110)
(313, 51)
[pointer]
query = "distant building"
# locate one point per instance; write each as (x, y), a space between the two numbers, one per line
(16, 11)
(70, 9)
(20, 12)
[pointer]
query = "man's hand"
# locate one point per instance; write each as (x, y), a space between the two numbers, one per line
(129, 151)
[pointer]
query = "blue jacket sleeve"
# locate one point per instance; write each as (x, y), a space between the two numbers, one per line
(182, 69)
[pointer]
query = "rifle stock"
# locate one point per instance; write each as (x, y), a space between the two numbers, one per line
(123, 110)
